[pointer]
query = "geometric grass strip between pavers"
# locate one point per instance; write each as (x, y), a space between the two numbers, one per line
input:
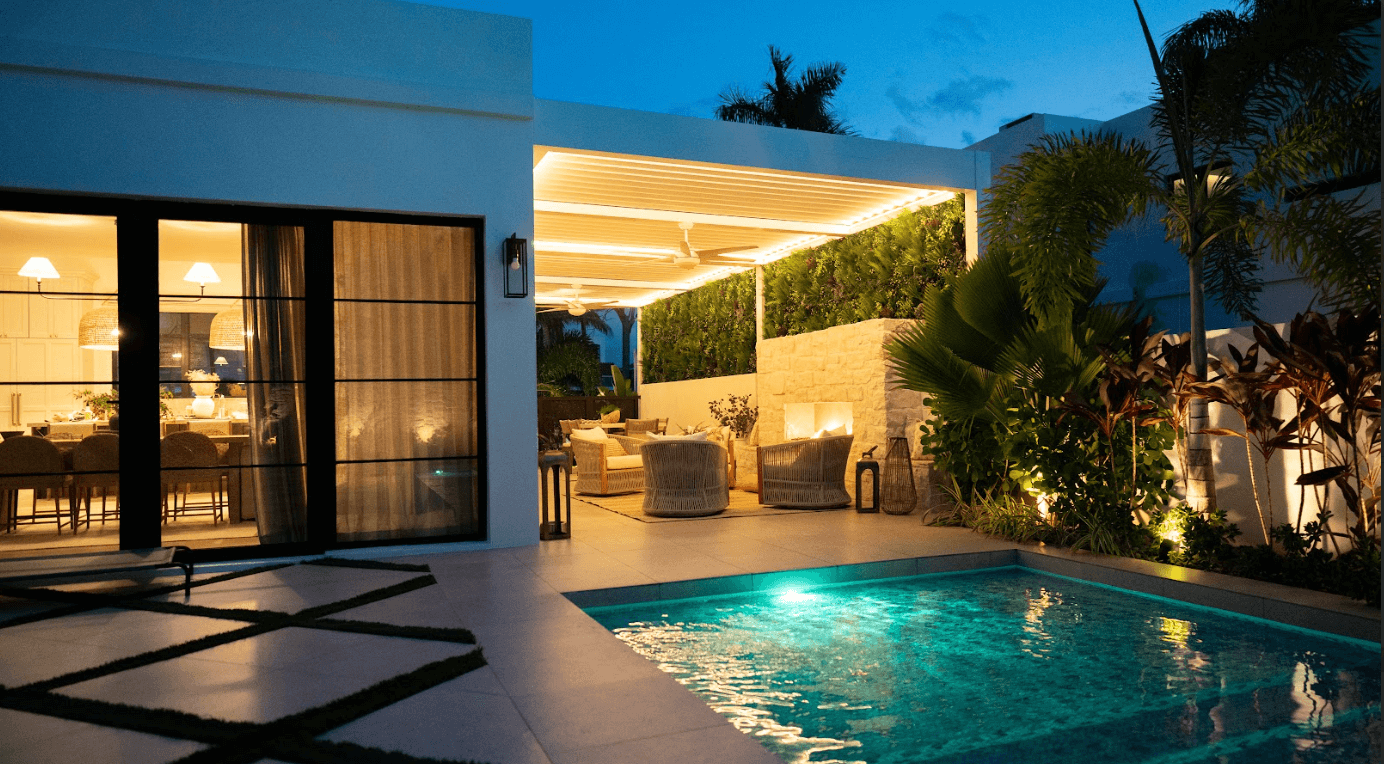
(83, 601)
(291, 738)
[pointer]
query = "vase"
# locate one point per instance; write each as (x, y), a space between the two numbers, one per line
(898, 494)
(203, 407)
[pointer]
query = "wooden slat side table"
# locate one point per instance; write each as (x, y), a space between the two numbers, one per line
(555, 462)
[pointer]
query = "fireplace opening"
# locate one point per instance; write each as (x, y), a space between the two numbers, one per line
(814, 420)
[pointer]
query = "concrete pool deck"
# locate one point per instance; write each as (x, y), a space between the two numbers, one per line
(558, 687)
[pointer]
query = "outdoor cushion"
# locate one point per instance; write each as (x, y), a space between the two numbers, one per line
(624, 462)
(690, 436)
(753, 438)
(592, 434)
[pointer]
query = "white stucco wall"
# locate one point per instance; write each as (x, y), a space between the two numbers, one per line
(358, 104)
(685, 403)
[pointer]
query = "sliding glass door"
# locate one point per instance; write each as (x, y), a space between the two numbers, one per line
(292, 380)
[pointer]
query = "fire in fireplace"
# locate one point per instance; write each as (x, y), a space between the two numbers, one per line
(807, 420)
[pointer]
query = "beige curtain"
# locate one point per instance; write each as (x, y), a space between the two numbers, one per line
(272, 266)
(406, 408)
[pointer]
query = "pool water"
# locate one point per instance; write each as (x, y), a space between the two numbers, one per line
(1009, 665)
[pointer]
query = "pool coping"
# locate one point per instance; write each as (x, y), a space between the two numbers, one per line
(1287, 605)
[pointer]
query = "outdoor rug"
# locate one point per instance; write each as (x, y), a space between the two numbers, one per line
(742, 504)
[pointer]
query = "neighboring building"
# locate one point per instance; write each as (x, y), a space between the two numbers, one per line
(1137, 261)
(310, 200)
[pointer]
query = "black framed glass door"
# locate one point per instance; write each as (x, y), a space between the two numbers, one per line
(248, 358)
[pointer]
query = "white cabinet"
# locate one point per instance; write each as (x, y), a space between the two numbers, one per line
(14, 308)
(9, 393)
(56, 318)
(36, 361)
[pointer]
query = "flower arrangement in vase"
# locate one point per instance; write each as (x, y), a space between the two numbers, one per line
(203, 384)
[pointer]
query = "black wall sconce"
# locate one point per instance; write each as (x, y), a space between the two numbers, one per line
(516, 255)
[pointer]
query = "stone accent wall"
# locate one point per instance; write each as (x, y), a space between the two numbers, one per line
(843, 363)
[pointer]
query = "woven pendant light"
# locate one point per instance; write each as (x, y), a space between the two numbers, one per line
(99, 329)
(228, 330)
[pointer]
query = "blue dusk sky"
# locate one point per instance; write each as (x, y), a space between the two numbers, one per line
(941, 74)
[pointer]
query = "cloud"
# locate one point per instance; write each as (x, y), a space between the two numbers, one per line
(956, 29)
(905, 134)
(964, 96)
(911, 110)
(967, 138)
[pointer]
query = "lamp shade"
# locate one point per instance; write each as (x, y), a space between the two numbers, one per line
(228, 330)
(99, 329)
(202, 273)
(39, 268)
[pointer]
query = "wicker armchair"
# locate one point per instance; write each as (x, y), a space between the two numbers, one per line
(684, 478)
(805, 473)
(604, 469)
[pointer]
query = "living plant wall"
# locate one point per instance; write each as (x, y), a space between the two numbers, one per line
(881, 272)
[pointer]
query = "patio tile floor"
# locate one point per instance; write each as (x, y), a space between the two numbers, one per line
(558, 688)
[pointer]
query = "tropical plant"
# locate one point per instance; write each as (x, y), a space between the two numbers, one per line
(1027, 408)
(619, 385)
(1334, 370)
(736, 413)
(804, 104)
(1253, 394)
(572, 363)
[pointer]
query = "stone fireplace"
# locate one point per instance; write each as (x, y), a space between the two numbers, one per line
(820, 380)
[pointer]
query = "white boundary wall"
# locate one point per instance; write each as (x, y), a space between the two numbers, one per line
(685, 403)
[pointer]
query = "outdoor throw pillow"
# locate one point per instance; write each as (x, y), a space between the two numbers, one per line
(595, 434)
(692, 436)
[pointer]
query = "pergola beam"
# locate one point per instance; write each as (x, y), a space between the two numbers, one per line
(626, 283)
(673, 216)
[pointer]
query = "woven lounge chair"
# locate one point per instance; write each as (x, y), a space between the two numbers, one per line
(637, 426)
(603, 467)
(805, 473)
(684, 478)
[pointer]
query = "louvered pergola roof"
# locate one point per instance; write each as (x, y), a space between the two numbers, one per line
(608, 202)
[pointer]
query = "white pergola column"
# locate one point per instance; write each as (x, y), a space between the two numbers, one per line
(638, 349)
(972, 226)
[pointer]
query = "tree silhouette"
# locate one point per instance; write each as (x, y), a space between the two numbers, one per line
(804, 104)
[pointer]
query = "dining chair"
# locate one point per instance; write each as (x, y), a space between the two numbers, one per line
(96, 464)
(187, 458)
(28, 462)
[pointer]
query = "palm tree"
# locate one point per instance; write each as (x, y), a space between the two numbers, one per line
(1253, 104)
(804, 104)
(628, 318)
(1259, 111)
(551, 324)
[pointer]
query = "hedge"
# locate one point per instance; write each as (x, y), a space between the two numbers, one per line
(881, 272)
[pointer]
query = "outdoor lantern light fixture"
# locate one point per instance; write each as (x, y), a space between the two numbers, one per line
(516, 258)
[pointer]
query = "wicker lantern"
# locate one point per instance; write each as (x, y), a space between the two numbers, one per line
(899, 495)
(228, 330)
(99, 329)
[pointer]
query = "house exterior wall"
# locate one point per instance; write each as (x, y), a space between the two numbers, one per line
(352, 104)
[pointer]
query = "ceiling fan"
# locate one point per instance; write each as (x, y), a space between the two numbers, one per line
(575, 305)
(691, 258)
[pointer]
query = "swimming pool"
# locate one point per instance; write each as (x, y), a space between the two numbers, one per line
(1010, 665)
